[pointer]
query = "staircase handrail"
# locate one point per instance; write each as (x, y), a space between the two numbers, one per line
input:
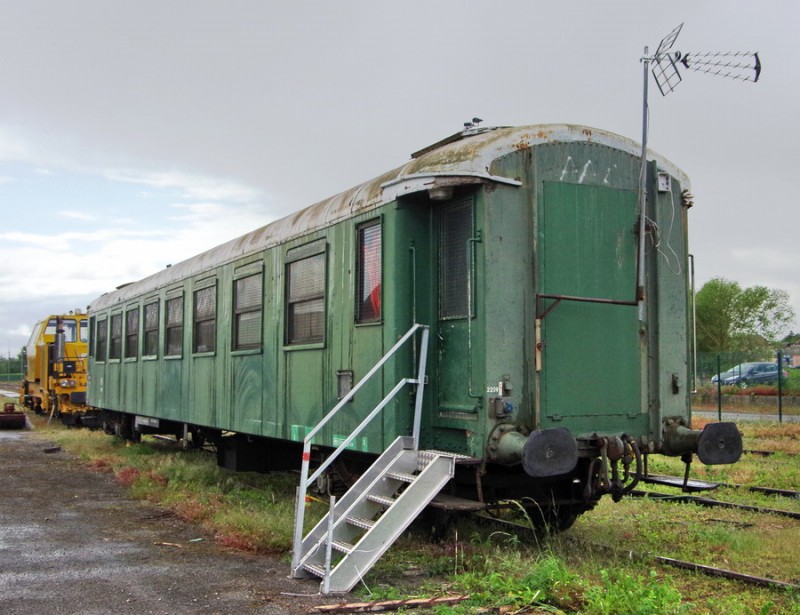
(305, 479)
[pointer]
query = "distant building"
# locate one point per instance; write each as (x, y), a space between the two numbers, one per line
(791, 354)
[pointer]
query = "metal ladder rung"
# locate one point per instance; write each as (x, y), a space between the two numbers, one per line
(317, 571)
(427, 456)
(383, 500)
(364, 524)
(403, 477)
(342, 546)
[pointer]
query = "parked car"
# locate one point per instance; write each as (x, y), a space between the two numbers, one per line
(746, 374)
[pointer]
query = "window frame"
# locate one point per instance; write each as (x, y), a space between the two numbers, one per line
(91, 323)
(115, 342)
(150, 348)
(465, 307)
(130, 350)
(303, 254)
(247, 311)
(206, 326)
(364, 269)
(169, 327)
(101, 339)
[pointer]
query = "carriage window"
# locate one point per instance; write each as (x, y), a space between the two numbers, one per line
(454, 261)
(247, 301)
(368, 271)
(150, 329)
(205, 319)
(91, 329)
(173, 338)
(305, 303)
(101, 335)
(115, 345)
(132, 333)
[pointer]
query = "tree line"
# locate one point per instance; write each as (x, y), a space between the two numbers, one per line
(730, 318)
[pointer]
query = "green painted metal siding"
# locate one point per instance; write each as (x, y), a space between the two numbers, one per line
(280, 390)
(506, 295)
(592, 356)
(569, 228)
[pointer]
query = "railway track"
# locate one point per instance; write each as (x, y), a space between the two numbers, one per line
(712, 503)
(664, 561)
(767, 453)
(694, 485)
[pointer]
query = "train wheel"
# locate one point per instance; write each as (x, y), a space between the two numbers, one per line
(197, 439)
(124, 429)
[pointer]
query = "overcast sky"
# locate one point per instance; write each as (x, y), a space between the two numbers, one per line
(135, 134)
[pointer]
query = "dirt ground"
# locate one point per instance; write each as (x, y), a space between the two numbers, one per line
(71, 541)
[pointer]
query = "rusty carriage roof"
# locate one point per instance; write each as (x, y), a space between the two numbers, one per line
(466, 157)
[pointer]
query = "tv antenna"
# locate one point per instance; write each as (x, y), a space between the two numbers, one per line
(738, 65)
(667, 65)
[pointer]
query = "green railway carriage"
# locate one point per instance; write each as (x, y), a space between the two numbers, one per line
(558, 356)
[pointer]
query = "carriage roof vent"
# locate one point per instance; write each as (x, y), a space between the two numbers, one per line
(471, 129)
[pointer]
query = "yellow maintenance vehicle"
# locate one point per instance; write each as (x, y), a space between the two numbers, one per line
(55, 369)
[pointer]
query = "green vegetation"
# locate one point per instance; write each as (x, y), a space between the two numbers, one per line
(732, 318)
(603, 565)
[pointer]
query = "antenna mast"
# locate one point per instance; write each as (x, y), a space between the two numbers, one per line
(740, 65)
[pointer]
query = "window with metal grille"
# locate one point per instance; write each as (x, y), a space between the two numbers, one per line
(132, 333)
(305, 303)
(368, 272)
(454, 260)
(247, 301)
(115, 345)
(150, 329)
(100, 339)
(205, 319)
(173, 336)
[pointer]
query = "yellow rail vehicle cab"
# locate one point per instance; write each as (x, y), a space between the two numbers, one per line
(55, 367)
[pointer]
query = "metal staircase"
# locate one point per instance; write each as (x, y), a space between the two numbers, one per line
(378, 508)
(374, 512)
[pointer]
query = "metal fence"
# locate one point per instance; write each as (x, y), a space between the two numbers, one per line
(753, 398)
(11, 370)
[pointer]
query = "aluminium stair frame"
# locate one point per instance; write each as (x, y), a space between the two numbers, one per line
(371, 515)
(297, 552)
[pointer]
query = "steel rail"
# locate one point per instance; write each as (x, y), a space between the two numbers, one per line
(711, 503)
(658, 478)
(667, 561)
(722, 572)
